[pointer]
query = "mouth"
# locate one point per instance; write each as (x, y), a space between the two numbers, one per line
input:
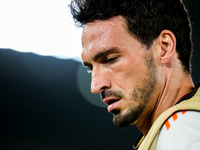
(112, 103)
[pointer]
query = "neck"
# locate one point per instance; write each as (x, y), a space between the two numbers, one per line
(173, 89)
(172, 93)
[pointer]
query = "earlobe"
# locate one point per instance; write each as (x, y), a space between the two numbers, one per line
(168, 46)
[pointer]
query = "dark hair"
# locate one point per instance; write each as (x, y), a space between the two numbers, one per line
(145, 19)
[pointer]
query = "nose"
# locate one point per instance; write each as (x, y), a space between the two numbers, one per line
(99, 82)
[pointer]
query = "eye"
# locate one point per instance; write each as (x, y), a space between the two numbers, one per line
(89, 69)
(111, 60)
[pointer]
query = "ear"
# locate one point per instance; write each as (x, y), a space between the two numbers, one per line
(167, 42)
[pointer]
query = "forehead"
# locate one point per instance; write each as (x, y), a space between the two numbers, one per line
(100, 27)
(103, 34)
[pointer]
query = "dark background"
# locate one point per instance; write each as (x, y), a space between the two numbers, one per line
(42, 108)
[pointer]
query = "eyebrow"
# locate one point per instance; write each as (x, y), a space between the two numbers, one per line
(105, 52)
(102, 53)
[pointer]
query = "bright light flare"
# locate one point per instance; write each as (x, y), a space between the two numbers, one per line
(44, 27)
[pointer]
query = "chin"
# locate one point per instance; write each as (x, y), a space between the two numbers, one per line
(124, 119)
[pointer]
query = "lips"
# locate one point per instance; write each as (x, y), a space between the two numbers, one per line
(111, 102)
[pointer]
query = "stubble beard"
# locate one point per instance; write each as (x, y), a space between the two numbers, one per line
(141, 95)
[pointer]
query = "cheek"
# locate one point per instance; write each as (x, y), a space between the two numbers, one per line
(126, 72)
(123, 80)
(130, 77)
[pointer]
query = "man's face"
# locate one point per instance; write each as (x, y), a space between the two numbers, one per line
(123, 70)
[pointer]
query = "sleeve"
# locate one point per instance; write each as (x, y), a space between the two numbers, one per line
(180, 132)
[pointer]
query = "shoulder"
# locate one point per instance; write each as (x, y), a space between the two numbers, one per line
(181, 132)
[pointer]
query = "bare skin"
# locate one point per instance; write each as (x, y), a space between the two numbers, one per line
(126, 76)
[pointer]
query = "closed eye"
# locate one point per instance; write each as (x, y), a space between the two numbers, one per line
(111, 60)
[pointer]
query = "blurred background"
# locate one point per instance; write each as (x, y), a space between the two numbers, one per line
(45, 99)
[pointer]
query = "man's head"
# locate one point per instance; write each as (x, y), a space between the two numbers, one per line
(123, 71)
(145, 19)
(129, 45)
